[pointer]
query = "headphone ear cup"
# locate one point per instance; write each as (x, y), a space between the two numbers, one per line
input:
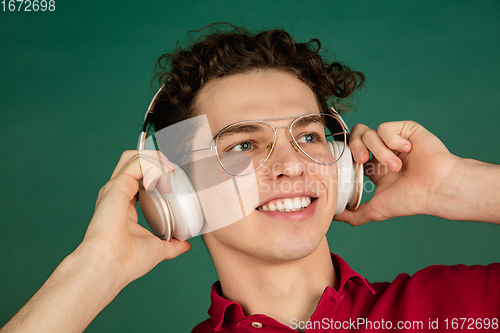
(186, 206)
(350, 178)
(175, 214)
(156, 212)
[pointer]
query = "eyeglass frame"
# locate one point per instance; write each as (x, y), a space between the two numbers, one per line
(294, 143)
(334, 113)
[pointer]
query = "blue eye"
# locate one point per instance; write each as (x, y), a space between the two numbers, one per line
(244, 146)
(307, 138)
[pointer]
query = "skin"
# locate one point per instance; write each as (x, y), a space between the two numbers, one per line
(257, 95)
(424, 179)
(272, 255)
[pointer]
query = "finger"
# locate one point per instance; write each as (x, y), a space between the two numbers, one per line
(153, 164)
(151, 176)
(174, 248)
(125, 182)
(358, 149)
(126, 157)
(153, 156)
(130, 169)
(155, 177)
(126, 178)
(375, 170)
(156, 171)
(127, 186)
(360, 216)
(380, 151)
(391, 135)
(163, 185)
(118, 198)
(132, 210)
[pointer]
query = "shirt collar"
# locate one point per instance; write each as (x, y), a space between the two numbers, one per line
(219, 305)
(223, 309)
(347, 273)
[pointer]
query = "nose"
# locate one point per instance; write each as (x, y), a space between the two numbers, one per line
(285, 159)
(292, 142)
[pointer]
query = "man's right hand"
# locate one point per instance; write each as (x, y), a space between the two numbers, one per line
(115, 251)
(114, 233)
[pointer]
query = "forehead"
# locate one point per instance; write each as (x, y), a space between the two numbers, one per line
(254, 95)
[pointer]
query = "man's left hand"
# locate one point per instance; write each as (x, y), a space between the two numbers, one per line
(408, 165)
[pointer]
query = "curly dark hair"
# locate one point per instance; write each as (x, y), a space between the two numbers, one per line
(227, 50)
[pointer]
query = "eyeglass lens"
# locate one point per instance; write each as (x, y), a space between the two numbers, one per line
(245, 146)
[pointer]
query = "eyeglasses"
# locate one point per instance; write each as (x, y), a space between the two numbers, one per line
(247, 145)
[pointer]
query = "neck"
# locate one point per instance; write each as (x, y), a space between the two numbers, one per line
(282, 290)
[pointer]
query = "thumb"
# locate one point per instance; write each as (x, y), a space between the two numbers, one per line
(175, 248)
(365, 213)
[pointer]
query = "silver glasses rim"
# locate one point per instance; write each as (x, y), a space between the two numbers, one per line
(266, 121)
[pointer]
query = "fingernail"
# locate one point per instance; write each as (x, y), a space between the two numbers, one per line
(358, 156)
(406, 148)
(392, 164)
(151, 186)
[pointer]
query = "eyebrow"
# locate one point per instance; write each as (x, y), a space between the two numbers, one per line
(318, 119)
(240, 128)
(309, 120)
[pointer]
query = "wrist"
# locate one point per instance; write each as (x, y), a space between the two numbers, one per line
(444, 193)
(100, 267)
(79, 288)
(468, 192)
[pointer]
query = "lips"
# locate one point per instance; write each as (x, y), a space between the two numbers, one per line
(287, 202)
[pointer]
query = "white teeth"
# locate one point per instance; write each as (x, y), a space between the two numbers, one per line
(304, 202)
(287, 205)
(297, 204)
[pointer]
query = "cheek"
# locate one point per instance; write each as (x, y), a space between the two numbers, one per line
(263, 181)
(241, 234)
(323, 178)
(332, 190)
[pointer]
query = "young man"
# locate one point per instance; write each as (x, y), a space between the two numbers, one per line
(275, 268)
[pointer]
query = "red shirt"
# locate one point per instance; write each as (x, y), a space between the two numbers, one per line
(435, 299)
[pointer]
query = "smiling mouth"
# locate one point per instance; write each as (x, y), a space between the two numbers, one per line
(286, 205)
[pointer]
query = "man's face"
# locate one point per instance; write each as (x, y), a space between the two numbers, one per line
(287, 174)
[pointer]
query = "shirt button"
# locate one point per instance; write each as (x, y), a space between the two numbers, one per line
(256, 324)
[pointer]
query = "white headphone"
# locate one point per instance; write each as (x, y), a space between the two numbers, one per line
(179, 213)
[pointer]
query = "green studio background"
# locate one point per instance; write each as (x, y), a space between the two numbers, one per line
(74, 85)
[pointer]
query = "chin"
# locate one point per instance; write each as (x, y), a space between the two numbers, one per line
(268, 240)
(270, 247)
(292, 248)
